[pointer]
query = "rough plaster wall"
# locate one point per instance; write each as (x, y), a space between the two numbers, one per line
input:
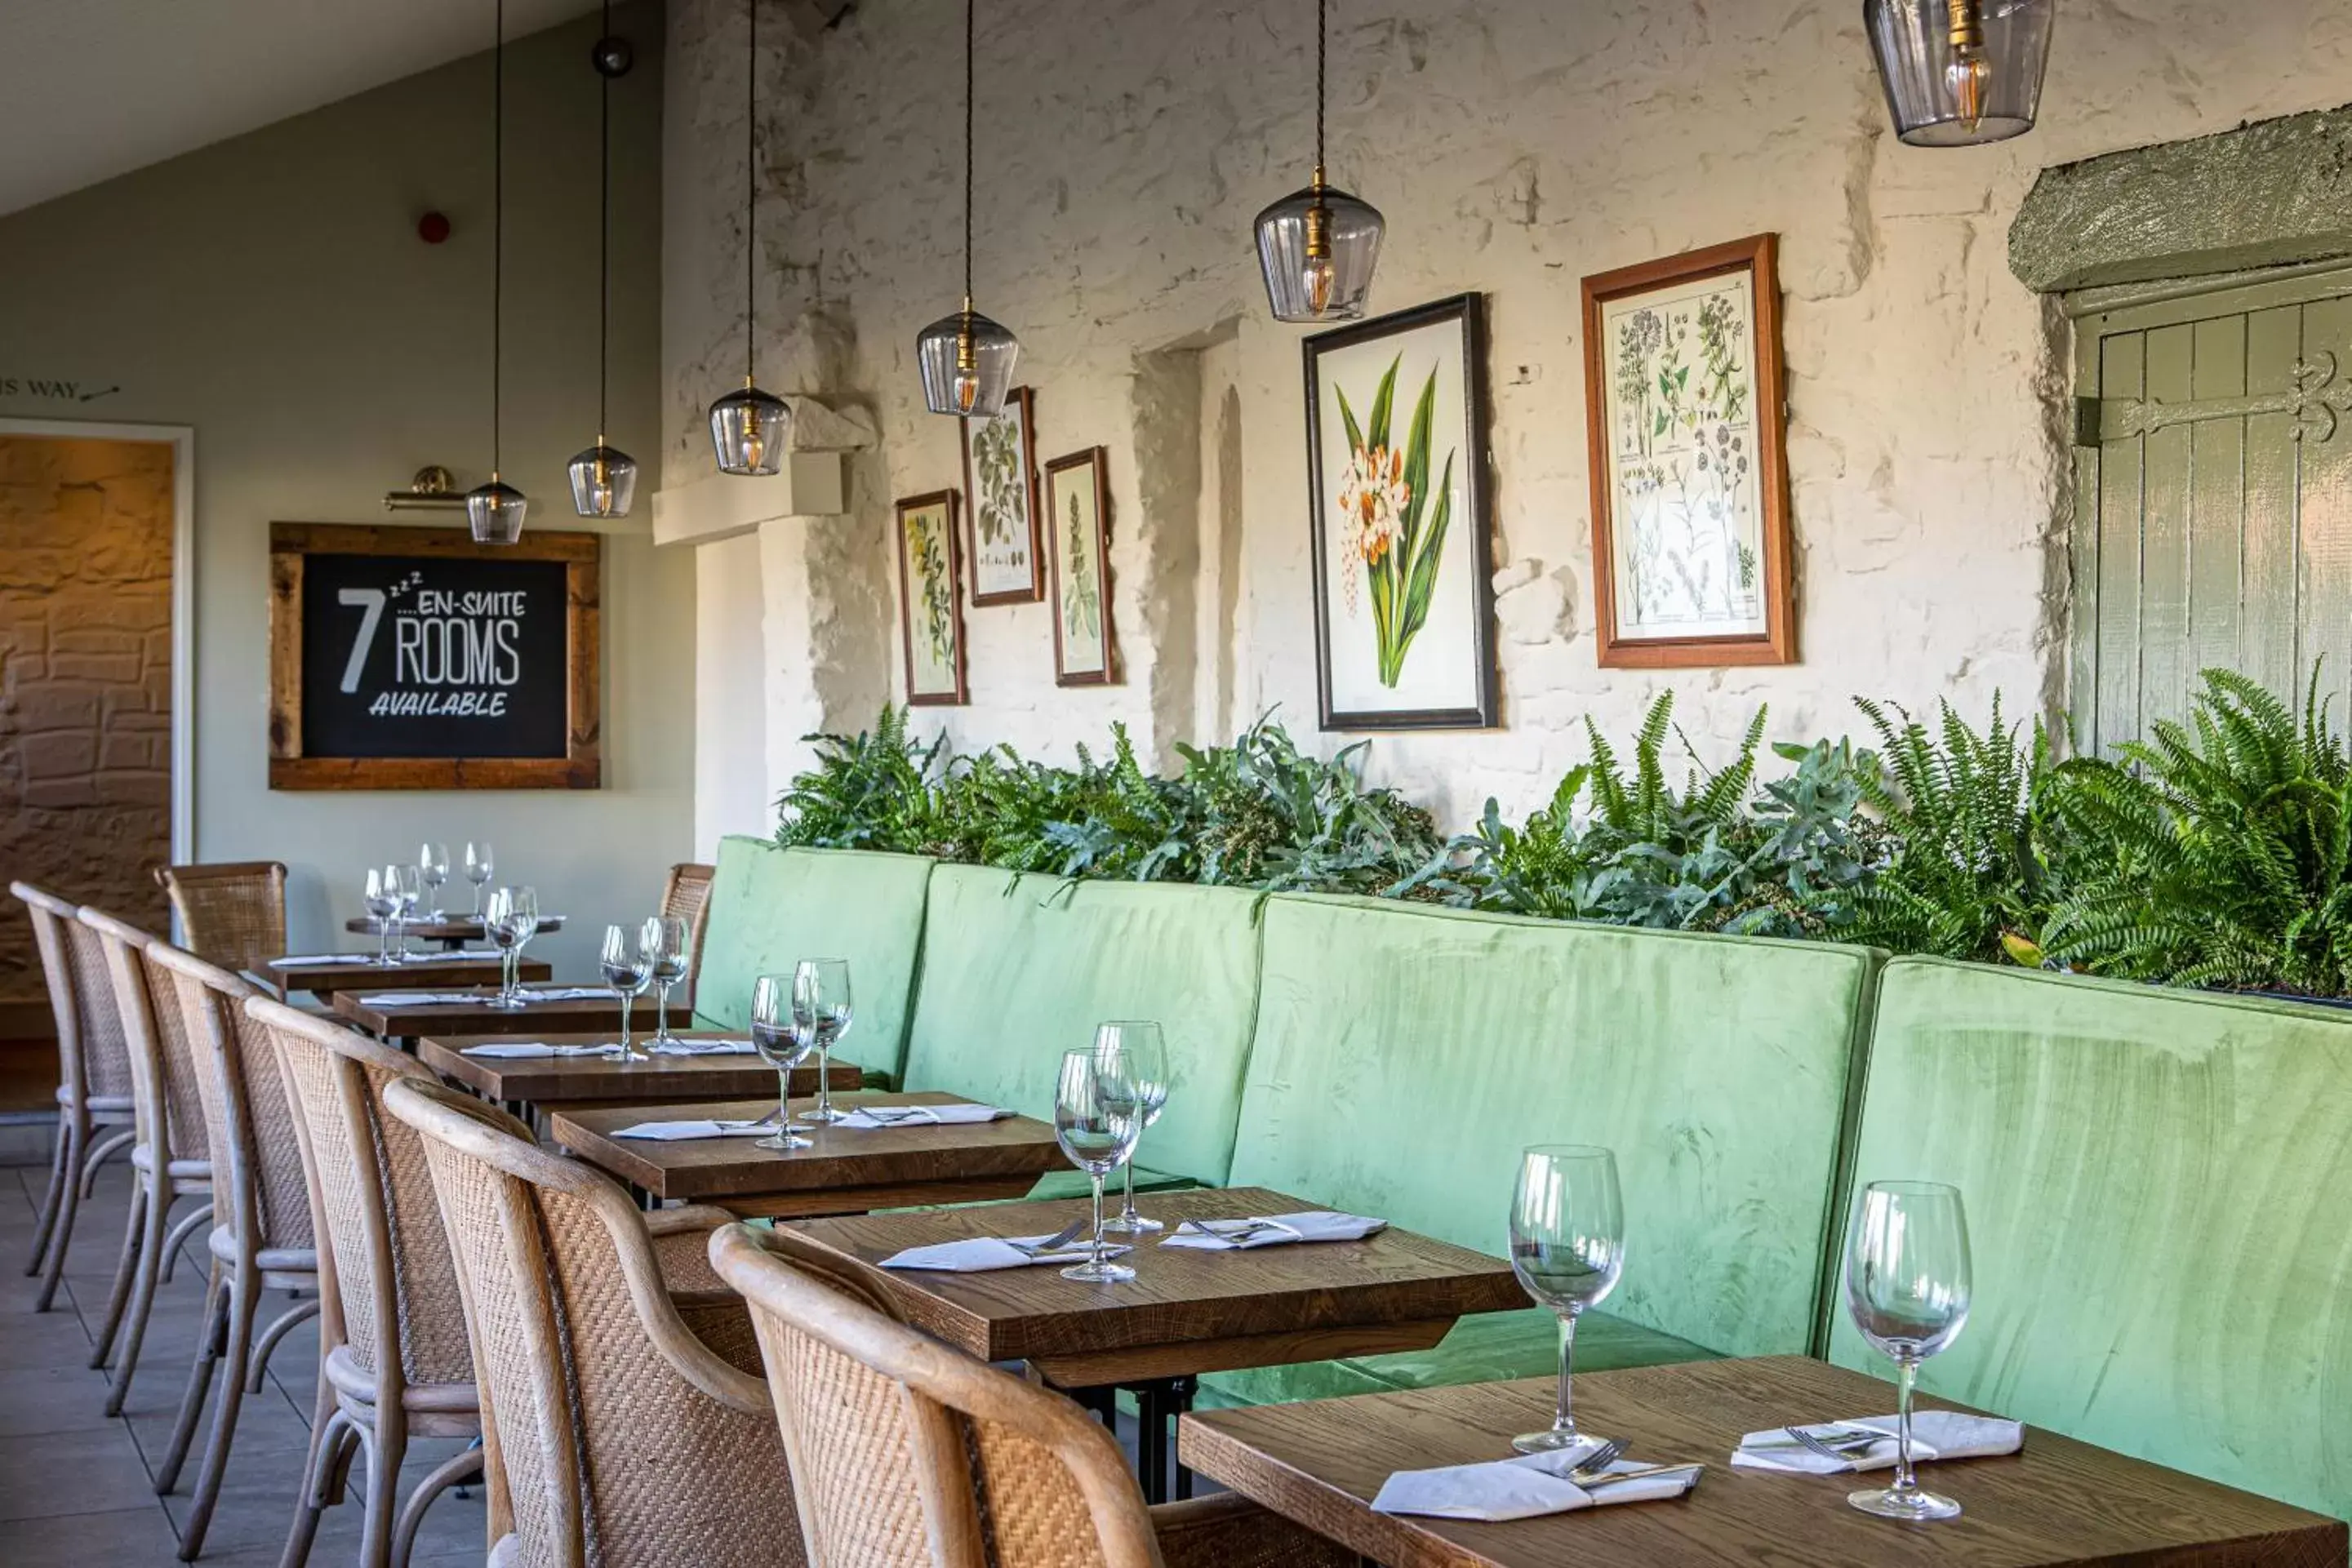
(1513, 145)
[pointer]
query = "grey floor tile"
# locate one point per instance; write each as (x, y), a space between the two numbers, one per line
(133, 1537)
(71, 1473)
(42, 1399)
(39, 1340)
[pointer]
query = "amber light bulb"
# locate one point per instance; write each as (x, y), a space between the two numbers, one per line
(1969, 75)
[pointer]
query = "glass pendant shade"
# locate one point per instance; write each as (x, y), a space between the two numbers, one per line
(1960, 73)
(1318, 246)
(967, 361)
(494, 511)
(748, 429)
(603, 482)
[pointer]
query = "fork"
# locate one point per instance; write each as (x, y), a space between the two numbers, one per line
(1600, 1459)
(1845, 1450)
(1053, 1243)
(746, 1126)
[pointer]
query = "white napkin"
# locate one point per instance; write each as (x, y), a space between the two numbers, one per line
(528, 1051)
(683, 1132)
(1934, 1435)
(1522, 1488)
(419, 998)
(982, 1254)
(567, 993)
(312, 960)
(867, 1118)
(706, 1048)
(456, 959)
(1273, 1231)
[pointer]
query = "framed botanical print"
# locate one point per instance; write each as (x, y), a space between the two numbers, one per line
(1000, 479)
(929, 609)
(1077, 525)
(1396, 457)
(1683, 394)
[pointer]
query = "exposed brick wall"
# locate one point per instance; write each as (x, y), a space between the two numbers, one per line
(85, 679)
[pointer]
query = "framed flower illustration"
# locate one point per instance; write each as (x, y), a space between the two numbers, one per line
(929, 612)
(1078, 524)
(1682, 393)
(1000, 479)
(1396, 447)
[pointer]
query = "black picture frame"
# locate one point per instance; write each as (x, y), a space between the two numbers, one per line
(1467, 313)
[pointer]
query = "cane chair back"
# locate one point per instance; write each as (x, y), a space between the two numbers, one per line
(621, 1437)
(233, 914)
(259, 1187)
(908, 1454)
(684, 893)
(163, 1069)
(93, 1057)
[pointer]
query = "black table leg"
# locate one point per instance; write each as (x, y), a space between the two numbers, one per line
(1151, 1440)
(1180, 1391)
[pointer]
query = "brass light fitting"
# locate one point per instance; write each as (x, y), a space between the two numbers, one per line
(1970, 74)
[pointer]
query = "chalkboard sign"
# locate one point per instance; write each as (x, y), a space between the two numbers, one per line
(414, 658)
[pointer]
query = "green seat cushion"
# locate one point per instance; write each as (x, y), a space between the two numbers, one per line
(1072, 1183)
(1486, 1347)
(1405, 1055)
(769, 908)
(1018, 969)
(2156, 1183)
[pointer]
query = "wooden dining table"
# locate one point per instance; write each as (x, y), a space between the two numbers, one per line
(1188, 1311)
(560, 1083)
(477, 1017)
(843, 1170)
(2056, 1502)
(425, 972)
(452, 931)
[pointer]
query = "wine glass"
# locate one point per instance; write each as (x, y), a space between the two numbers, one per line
(626, 971)
(1567, 1247)
(1096, 1120)
(412, 893)
(664, 943)
(821, 1007)
(509, 919)
(432, 869)
(479, 867)
(1143, 1059)
(1906, 1285)
(383, 903)
(783, 1045)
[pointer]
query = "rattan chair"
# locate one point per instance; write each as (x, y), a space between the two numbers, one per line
(394, 1360)
(684, 893)
(172, 1159)
(96, 1115)
(232, 914)
(907, 1453)
(262, 1238)
(623, 1415)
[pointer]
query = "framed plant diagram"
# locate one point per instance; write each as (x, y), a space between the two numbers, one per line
(1396, 457)
(928, 610)
(1683, 387)
(1078, 524)
(1000, 478)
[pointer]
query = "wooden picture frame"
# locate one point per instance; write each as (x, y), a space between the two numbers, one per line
(926, 526)
(297, 762)
(1079, 559)
(1374, 669)
(1692, 551)
(1007, 565)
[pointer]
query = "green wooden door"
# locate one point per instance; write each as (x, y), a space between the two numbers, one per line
(2213, 485)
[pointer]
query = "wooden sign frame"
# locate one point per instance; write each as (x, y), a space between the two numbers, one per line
(581, 768)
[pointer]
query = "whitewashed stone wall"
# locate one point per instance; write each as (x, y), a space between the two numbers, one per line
(1515, 145)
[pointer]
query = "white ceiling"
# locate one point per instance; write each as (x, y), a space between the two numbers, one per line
(92, 88)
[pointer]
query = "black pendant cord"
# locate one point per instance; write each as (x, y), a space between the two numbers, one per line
(1322, 38)
(969, 36)
(604, 237)
(498, 220)
(751, 198)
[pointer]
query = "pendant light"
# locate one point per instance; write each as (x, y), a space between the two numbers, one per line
(604, 478)
(966, 358)
(748, 427)
(495, 510)
(1960, 73)
(1318, 246)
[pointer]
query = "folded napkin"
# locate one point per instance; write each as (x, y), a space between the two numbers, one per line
(1273, 1231)
(706, 1048)
(982, 1254)
(683, 1132)
(867, 1118)
(457, 958)
(419, 998)
(1524, 1488)
(314, 960)
(1934, 1435)
(521, 1050)
(567, 993)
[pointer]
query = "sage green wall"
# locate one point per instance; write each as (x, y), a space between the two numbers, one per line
(270, 291)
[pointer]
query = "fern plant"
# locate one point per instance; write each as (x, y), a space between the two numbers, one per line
(870, 791)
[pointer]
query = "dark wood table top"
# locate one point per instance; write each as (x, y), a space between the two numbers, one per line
(1187, 1311)
(435, 972)
(587, 1016)
(573, 1080)
(2058, 1502)
(843, 1171)
(450, 931)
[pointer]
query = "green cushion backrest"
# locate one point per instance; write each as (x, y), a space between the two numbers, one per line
(769, 908)
(1016, 970)
(1405, 1055)
(2159, 1187)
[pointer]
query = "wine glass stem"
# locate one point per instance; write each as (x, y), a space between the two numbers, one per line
(1096, 1250)
(661, 1011)
(1565, 1420)
(825, 1081)
(1127, 1170)
(784, 1102)
(627, 998)
(1907, 1372)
